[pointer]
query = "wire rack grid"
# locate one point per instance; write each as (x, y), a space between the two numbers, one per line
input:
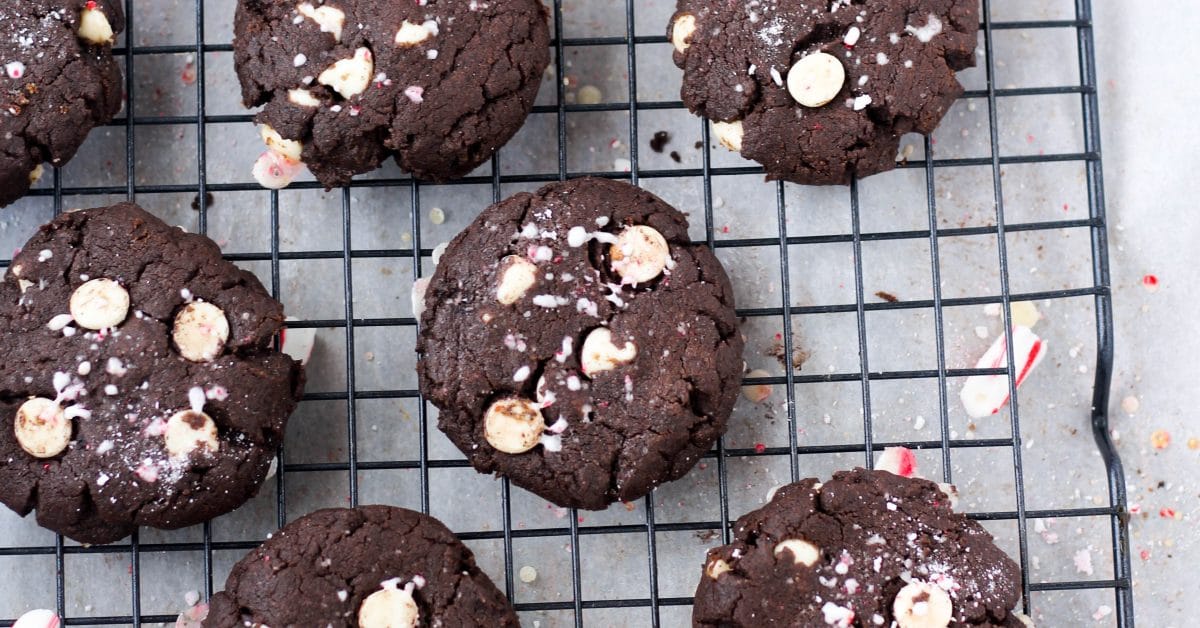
(653, 604)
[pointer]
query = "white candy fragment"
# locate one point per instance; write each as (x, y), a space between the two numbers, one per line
(94, 27)
(600, 354)
(984, 395)
(274, 171)
(640, 254)
(188, 431)
(816, 79)
(200, 331)
(419, 288)
(350, 77)
(926, 33)
(42, 428)
(390, 607)
(716, 567)
(729, 134)
(276, 143)
(517, 276)
(922, 605)
(99, 304)
(330, 19)
(411, 34)
(682, 30)
(803, 552)
(302, 97)
(513, 425)
(40, 618)
(899, 461)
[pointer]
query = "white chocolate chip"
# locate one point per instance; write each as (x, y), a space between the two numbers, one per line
(803, 552)
(600, 354)
(513, 425)
(729, 134)
(1025, 313)
(682, 30)
(922, 605)
(350, 77)
(36, 174)
(639, 254)
(188, 431)
(816, 79)
(715, 568)
(42, 428)
(304, 98)
(411, 34)
(94, 27)
(517, 276)
(390, 607)
(200, 331)
(276, 143)
(330, 19)
(99, 303)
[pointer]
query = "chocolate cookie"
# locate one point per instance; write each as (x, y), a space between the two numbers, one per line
(58, 79)
(137, 383)
(820, 91)
(576, 341)
(867, 548)
(439, 84)
(373, 567)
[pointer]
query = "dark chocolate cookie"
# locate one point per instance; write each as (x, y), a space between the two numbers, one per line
(439, 84)
(820, 91)
(58, 79)
(867, 548)
(372, 567)
(576, 341)
(137, 384)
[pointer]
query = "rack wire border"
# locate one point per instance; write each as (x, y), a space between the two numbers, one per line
(1096, 222)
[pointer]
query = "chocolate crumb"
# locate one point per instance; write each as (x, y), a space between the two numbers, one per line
(659, 141)
(887, 296)
(209, 200)
(675, 156)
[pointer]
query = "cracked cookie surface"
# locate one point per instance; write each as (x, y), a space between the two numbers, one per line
(320, 569)
(867, 548)
(755, 69)
(438, 84)
(58, 80)
(576, 341)
(162, 403)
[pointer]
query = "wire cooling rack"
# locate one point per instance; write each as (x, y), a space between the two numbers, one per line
(653, 604)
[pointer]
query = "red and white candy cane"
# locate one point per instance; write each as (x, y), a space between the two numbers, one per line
(40, 618)
(298, 342)
(984, 395)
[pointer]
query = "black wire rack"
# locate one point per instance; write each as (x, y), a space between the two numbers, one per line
(1095, 223)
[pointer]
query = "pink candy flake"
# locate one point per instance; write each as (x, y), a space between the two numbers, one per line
(157, 427)
(147, 472)
(558, 427)
(274, 171)
(415, 93)
(217, 393)
(898, 460)
(419, 581)
(14, 70)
